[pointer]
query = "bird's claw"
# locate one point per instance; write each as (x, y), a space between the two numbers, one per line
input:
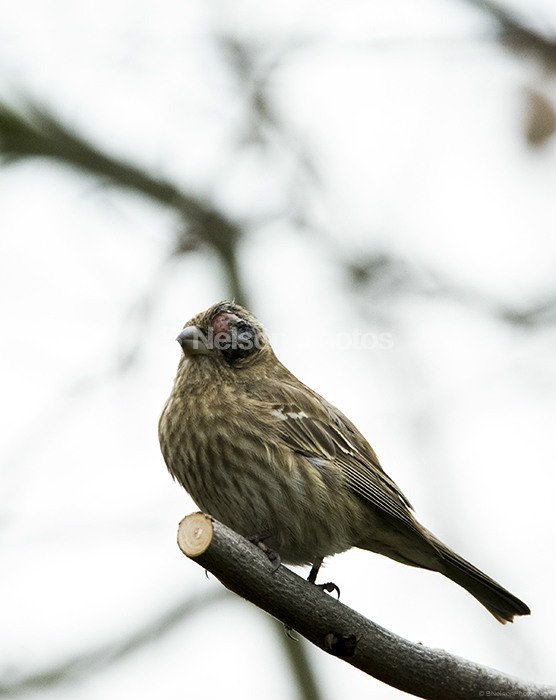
(273, 556)
(289, 633)
(329, 588)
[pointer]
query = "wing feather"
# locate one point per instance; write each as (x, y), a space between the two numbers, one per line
(317, 430)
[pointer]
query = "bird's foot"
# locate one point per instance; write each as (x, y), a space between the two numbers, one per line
(272, 555)
(326, 587)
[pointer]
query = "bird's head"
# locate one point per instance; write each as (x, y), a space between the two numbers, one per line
(227, 335)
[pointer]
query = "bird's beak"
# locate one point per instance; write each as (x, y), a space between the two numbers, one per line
(193, 341)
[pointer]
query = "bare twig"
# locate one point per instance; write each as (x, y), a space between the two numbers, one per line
(382, 276)
(335, 628)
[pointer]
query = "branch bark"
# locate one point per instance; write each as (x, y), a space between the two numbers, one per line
(335, 628)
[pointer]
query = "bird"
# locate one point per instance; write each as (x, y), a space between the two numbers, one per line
(270, 458)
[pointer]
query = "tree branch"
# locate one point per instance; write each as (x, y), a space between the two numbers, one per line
(335, 628)
(517, 35)
(39, 134)
(80, 665)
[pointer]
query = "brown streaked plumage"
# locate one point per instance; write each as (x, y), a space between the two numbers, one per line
(265, 454)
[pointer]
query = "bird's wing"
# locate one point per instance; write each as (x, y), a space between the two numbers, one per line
(312, 427)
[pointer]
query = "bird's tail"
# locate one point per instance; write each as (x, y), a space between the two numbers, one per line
(497, 600)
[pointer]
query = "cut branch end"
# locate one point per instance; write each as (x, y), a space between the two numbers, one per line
(195, 534)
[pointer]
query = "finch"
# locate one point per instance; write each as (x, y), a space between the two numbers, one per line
(269, 457)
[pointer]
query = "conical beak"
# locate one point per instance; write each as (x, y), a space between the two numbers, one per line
(193, 341)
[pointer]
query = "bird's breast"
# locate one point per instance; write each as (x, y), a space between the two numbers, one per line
(226, 453)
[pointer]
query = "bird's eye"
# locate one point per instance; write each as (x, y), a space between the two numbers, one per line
(242, 341)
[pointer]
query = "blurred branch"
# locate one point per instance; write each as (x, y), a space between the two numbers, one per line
(252, 65)
(383, 275)
(300, 665)
(517, 35)
(83, 664)
(252, 74)
(39, 134)
(335, 628)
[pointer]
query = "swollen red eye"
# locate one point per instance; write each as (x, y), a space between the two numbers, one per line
(222, 322)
